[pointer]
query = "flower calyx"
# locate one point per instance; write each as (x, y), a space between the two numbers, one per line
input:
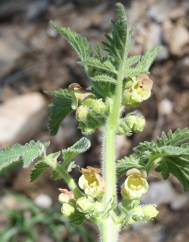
(135, 185)
(66, 198)
(137, 90)
(91, 182)
(91, 114)
(133, 122)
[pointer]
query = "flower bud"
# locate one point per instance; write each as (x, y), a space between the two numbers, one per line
(136, 121)
(92, 182)
(137, 90)
(85, 204)
(67, 209)
(65, 196)
(150, 211)
(91, 114)
(134, 186)
(133, 122)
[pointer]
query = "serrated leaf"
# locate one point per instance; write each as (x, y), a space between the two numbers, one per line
(64, 102)
(38, 169)
(79, 147)
(169, 154)
(118, 41)
(79, 44)
(148, 58)
(104, 78)
(127, 163)
(133, 60)
(47, 161)
(177, 166)
(144, 63)
(21, 153)
(99, 65)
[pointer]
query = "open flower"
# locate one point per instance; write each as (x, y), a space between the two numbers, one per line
(91, 182)
(137, 90)
(65, 196)
(134, 186)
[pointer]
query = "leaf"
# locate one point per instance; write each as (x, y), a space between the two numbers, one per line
(38, 169)
(127, 163)
(21, 153)
(64, 102)
(47, 161)
(133, 60)
(169, 154)
(177, 166)
(144, 63)
(79, 147)
(174, 138)
(99, 65)
(148, 58)
(79, 44)
(118, 41)
(104, 78)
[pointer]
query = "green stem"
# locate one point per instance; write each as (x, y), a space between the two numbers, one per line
(109, 229)
(71, 184)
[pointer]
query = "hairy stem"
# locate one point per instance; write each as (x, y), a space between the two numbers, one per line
(109, 229)
(71, 184)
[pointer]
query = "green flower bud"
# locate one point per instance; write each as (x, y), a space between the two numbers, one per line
(67, 209)
(91, 182)
(150, 211)
(85, 204)
(65, 196)
(134, 186)
(136, 122)
(91, 114)
(137, 90)
(133, 122)
(143, 213)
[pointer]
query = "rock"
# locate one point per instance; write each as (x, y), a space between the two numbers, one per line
(181, 73)
(161, 9)
(11, 48)
(21, 118)
(165, 107)
(180, 202)
(160, 193)
(177, 38)
(36, 9)
(153, 36)
(43, 201)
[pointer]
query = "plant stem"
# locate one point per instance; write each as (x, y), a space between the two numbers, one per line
(109, 229)
(71, 184)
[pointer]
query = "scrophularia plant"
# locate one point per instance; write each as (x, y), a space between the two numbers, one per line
(118, 82)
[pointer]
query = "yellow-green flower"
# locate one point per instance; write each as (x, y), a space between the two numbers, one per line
(134, 186)
(65, 196)
(137, 90)
(150, 211)
(67, 209)
(91, 182)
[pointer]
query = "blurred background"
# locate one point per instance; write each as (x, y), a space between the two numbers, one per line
(34, 59)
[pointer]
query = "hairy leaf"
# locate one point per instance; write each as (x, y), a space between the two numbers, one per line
(64, 102)
(170, 154)
(21, 153)
(79, 44)
(99, 65)
(144, 63)
(47, 161)
(38, 169)
(104, 78)
(118, 41)
(127, 163)
(79, 147)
